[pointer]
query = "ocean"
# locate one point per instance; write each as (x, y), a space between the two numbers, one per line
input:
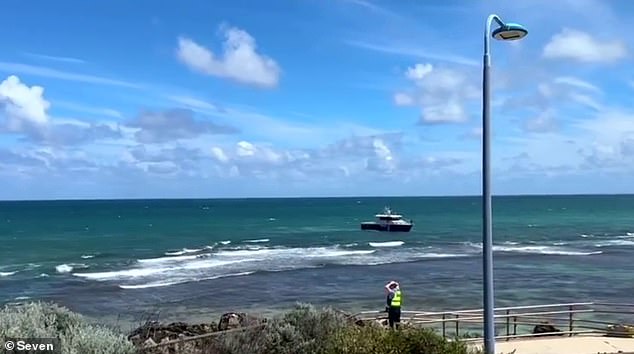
(126, 260)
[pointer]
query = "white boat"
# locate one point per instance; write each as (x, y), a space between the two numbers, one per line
(388, 221)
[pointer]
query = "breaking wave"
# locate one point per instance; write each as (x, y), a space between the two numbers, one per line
(247, 259)
(260, 240)
(225, 259)
(536, 249)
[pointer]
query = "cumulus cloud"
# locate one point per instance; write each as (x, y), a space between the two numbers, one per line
(582, 47)
(24, 111)
(22, 103)
(240, 60)
(175, 124)
(442, 93)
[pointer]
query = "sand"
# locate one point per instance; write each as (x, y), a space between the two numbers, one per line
(568, 345)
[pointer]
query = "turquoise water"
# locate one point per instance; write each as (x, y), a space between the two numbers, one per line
(192, 257)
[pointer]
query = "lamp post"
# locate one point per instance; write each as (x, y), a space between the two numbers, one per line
(508, 32)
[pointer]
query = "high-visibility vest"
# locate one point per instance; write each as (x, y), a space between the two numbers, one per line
(396, 300)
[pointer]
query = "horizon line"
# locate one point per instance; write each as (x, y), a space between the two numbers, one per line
(317, 197)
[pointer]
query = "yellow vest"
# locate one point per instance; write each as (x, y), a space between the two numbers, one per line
(396, 300)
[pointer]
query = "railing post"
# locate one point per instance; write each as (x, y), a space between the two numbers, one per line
(570, 320)
(444, 324)
(508, 324)
(514, 325)
(457, 326)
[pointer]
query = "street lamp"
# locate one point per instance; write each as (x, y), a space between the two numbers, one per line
(506, 32)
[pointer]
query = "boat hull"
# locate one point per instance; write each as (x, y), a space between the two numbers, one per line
(386, 227)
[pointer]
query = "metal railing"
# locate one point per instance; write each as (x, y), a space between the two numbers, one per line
(520, 321)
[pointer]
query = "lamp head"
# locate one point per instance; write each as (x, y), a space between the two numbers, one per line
(510, 32)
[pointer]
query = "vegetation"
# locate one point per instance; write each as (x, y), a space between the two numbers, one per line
(303, 330)
(76, 335)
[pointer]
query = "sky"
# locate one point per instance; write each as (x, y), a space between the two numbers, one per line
(291, 98)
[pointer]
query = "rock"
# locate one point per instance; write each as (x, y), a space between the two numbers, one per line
(383, 322)
(233, 320)
(547, 328)
(620, 330)
(159, 333)
(149, 343)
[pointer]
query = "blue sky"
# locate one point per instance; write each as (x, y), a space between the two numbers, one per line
(135, 99)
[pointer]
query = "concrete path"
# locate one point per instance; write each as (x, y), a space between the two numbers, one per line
(568, 345)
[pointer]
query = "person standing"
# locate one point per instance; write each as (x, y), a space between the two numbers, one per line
(394, 302)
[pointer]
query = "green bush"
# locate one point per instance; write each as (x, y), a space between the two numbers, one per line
(405, 340)
(41, 320)
(303, 330)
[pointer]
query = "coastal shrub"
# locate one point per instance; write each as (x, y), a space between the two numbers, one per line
(303, 330)
(406, 340)
(76, 335)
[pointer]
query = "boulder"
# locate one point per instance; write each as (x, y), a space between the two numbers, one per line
(547, 329)
(232, 320)
(620, 330)
(160, 333)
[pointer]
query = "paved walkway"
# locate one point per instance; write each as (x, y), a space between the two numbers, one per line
(568, 345)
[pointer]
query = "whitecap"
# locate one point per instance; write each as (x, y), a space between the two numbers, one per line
(88, 256)
(183, 251)
(538, 249)
(225, 242)
(620, 242)
(260, 240)
(6, 274)
(181, 281)
(387, 244)
(131, 273)
(167, 259)
(64, 268)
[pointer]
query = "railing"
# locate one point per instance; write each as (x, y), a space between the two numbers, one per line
(520, 321)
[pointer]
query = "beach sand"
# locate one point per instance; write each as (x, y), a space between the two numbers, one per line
(568, 345)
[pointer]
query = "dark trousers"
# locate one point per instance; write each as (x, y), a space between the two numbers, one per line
(394, 316)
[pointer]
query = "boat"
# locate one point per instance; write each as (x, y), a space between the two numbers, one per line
(387, 221)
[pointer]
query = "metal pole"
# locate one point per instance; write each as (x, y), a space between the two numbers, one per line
(487, 233)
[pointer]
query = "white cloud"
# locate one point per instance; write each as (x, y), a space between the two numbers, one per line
(23, 103)
(419, 71)
(581, 46)
(240, 60)
(245, 148)
(383, 159)
(442, 93)
(219, 154)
